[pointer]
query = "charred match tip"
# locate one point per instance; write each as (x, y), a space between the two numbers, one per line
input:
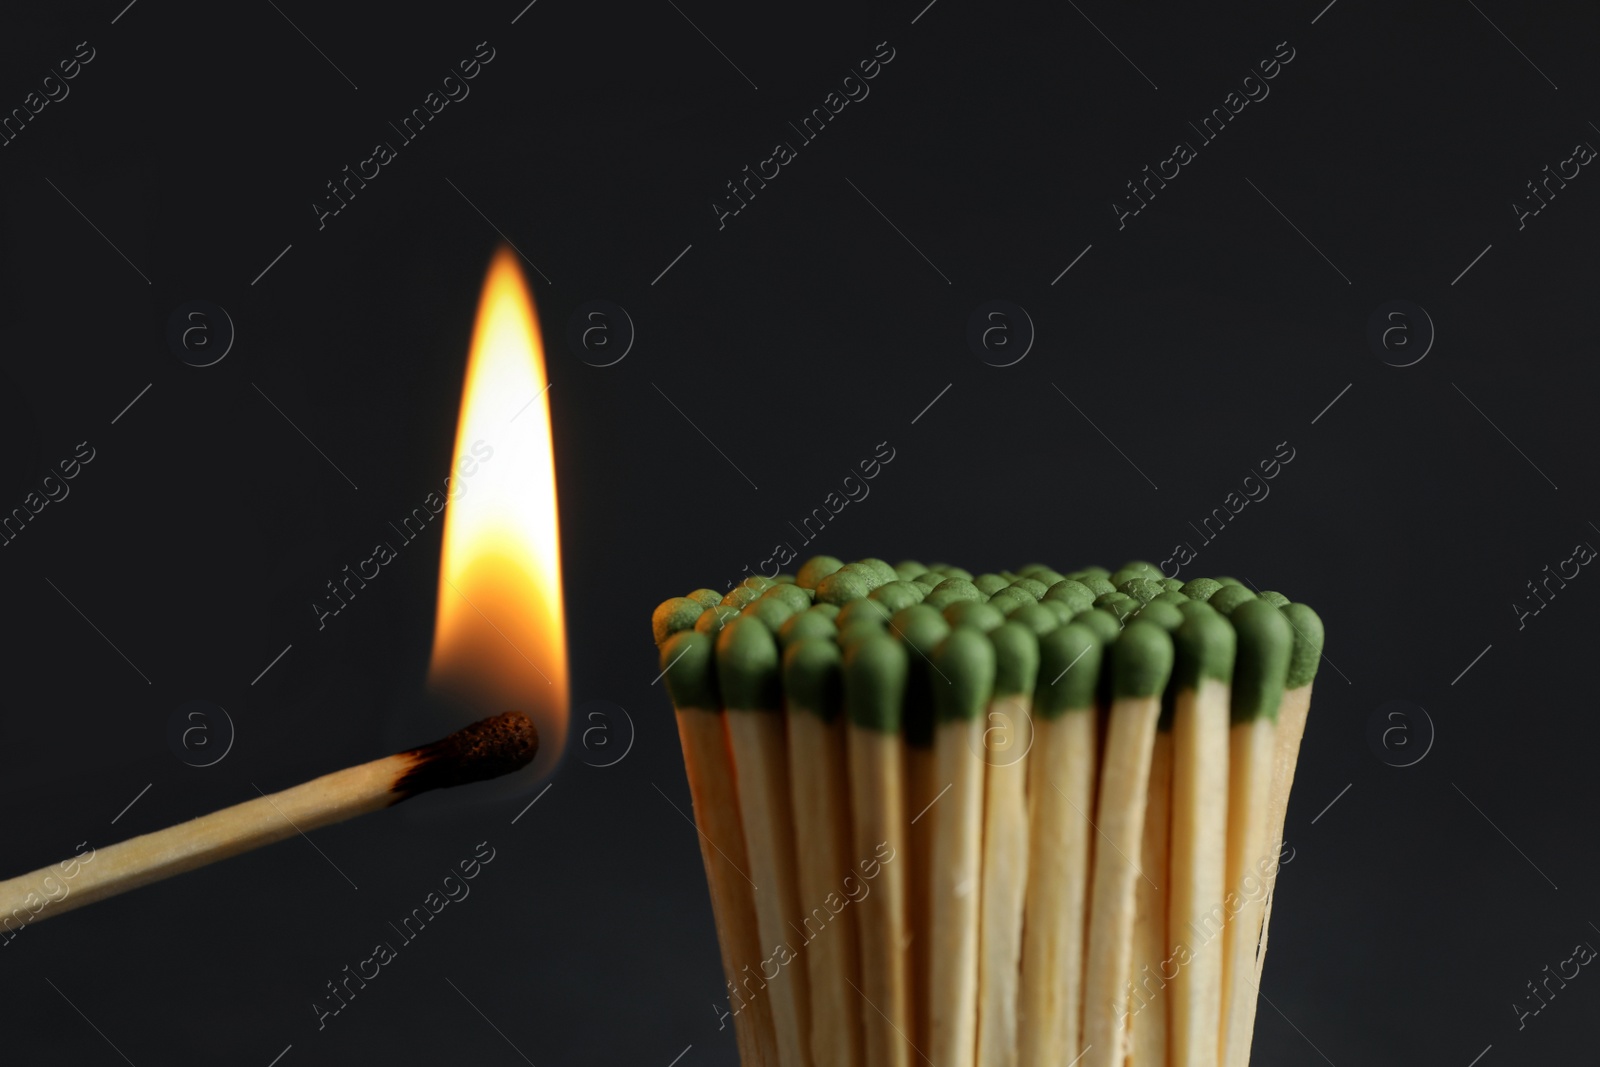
(487, 749)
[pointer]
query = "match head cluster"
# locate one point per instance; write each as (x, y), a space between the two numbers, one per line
(901, 647)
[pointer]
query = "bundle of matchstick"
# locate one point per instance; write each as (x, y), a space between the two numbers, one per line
(1019, 818)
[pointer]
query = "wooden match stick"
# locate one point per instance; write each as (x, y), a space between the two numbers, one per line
(689, 666)
(1292, 715)
(748, 675)
(875, 669)
(1141, 663)
(819, 782)
(1150, 1002)
(1205, 646)
(965, 660)
(1007, 737)
(486, 749)
(920, 628)
(1061, 789)
(1264, 645)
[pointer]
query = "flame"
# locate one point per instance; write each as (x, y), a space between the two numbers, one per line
(499, 641)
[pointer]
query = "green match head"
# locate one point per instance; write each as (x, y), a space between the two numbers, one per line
(1200, 588)
(1171, 596)
(1205, 644)
(897, 594)
(792, 595)
(784, 579)
(949, 570)
(1069, 670)
(908, 569)
(990, 584)
(1062, 610)
(864, 608)
(815, 569)
(1011, 598)
(951, 590)
(1089, 572)
(1266, 643)
(859, 627)
(746, 591)
(1073, 593)
(830, 610)
(1228, 581)
(1105, 625)
(772, 612)
(807, 624)
(1273, 597)
(1114, 598)
(975, 614)
(1032, 586)
(1141, 660)
(1016, 659)
(1173, 584)
(875, 669)
(811, 677)
(1308, 637)
(1143, 590)
(689, 668)
(881, 568)
(1039, 618)
(927, 582)
(714, 620)
(1040, 573)
(1135, 569)
(1097, 584)
(966, 661)
(1230, 597)
(1167, 616)
(706, 598)
(670, 616)
(845, 585)
(747, 666)
(920, 627)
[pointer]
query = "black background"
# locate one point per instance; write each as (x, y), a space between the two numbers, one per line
(797, 338)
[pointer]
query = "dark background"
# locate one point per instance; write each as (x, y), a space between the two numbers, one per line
(797, 338)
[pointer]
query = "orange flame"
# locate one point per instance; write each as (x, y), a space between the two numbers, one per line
(499, 641)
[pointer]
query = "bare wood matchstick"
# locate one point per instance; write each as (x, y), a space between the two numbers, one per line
(486, 749)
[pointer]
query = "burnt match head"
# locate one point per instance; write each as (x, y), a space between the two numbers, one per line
(487, 749)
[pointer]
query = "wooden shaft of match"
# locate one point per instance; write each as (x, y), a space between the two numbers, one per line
(1005, 878)
(1198, 858)
(757, 740)
(1250, 749)
(1124, 788)
(877, 791)
(923, 790)
(1152, 1003)
(715, 794)
(1292, 715)
(956, 876)
(820, 788)
(1061, 787)
(151, 857)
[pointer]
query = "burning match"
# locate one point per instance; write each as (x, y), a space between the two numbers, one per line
(487, 749)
